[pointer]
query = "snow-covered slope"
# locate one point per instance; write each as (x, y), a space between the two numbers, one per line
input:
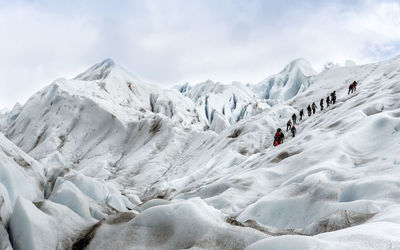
(132, 166)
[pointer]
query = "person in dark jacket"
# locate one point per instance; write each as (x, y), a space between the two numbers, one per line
(350, 88)
(309, 110)
(334, 97)
(313, 107)
(281, 137)
(301, 114)
(293, 130)
(294, 117)
(288, 125)
(321, 103)
(327, 101)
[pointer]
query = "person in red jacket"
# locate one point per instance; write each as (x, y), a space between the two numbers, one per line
(278, 138)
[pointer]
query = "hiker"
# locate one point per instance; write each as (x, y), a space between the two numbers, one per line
(288, 125)
(278, 138)
(293, 130)
(327, 102)
(309, 110)
(334, 97)
(294, 117)
(321, 103)
(313, 107)
(351, 86)
(301, 114)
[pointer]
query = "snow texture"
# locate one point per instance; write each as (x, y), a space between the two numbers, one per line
(107, 161)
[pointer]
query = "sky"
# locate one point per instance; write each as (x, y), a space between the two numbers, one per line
(169, 42)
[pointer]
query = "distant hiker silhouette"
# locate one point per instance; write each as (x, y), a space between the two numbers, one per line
(294, 117)
(293, 130)
(301, 114)
(352, 87)
(321, 103)
(327, 101)
(288, 125)
(313, 107)
(309, 110)
(333, 97)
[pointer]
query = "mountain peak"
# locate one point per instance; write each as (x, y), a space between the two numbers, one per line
(299, 64)
(98, 71)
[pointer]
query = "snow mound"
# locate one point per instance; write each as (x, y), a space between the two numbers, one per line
(87, 196)
(44, 225)
(179, 225)
(378, 233)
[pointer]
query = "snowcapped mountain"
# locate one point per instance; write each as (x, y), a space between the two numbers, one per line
(133, 166)
(293, 79)
(223, 105)
(94, 118)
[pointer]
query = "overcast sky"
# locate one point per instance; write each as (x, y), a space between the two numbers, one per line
(169, 42)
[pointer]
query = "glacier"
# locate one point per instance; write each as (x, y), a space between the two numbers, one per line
(109, 161)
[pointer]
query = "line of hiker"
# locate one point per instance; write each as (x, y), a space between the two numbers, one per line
(311, 109)
(331, 99)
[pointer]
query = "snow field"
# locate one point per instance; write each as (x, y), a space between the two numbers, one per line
(108, 142)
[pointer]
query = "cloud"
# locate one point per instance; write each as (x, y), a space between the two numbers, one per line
(173, 41)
